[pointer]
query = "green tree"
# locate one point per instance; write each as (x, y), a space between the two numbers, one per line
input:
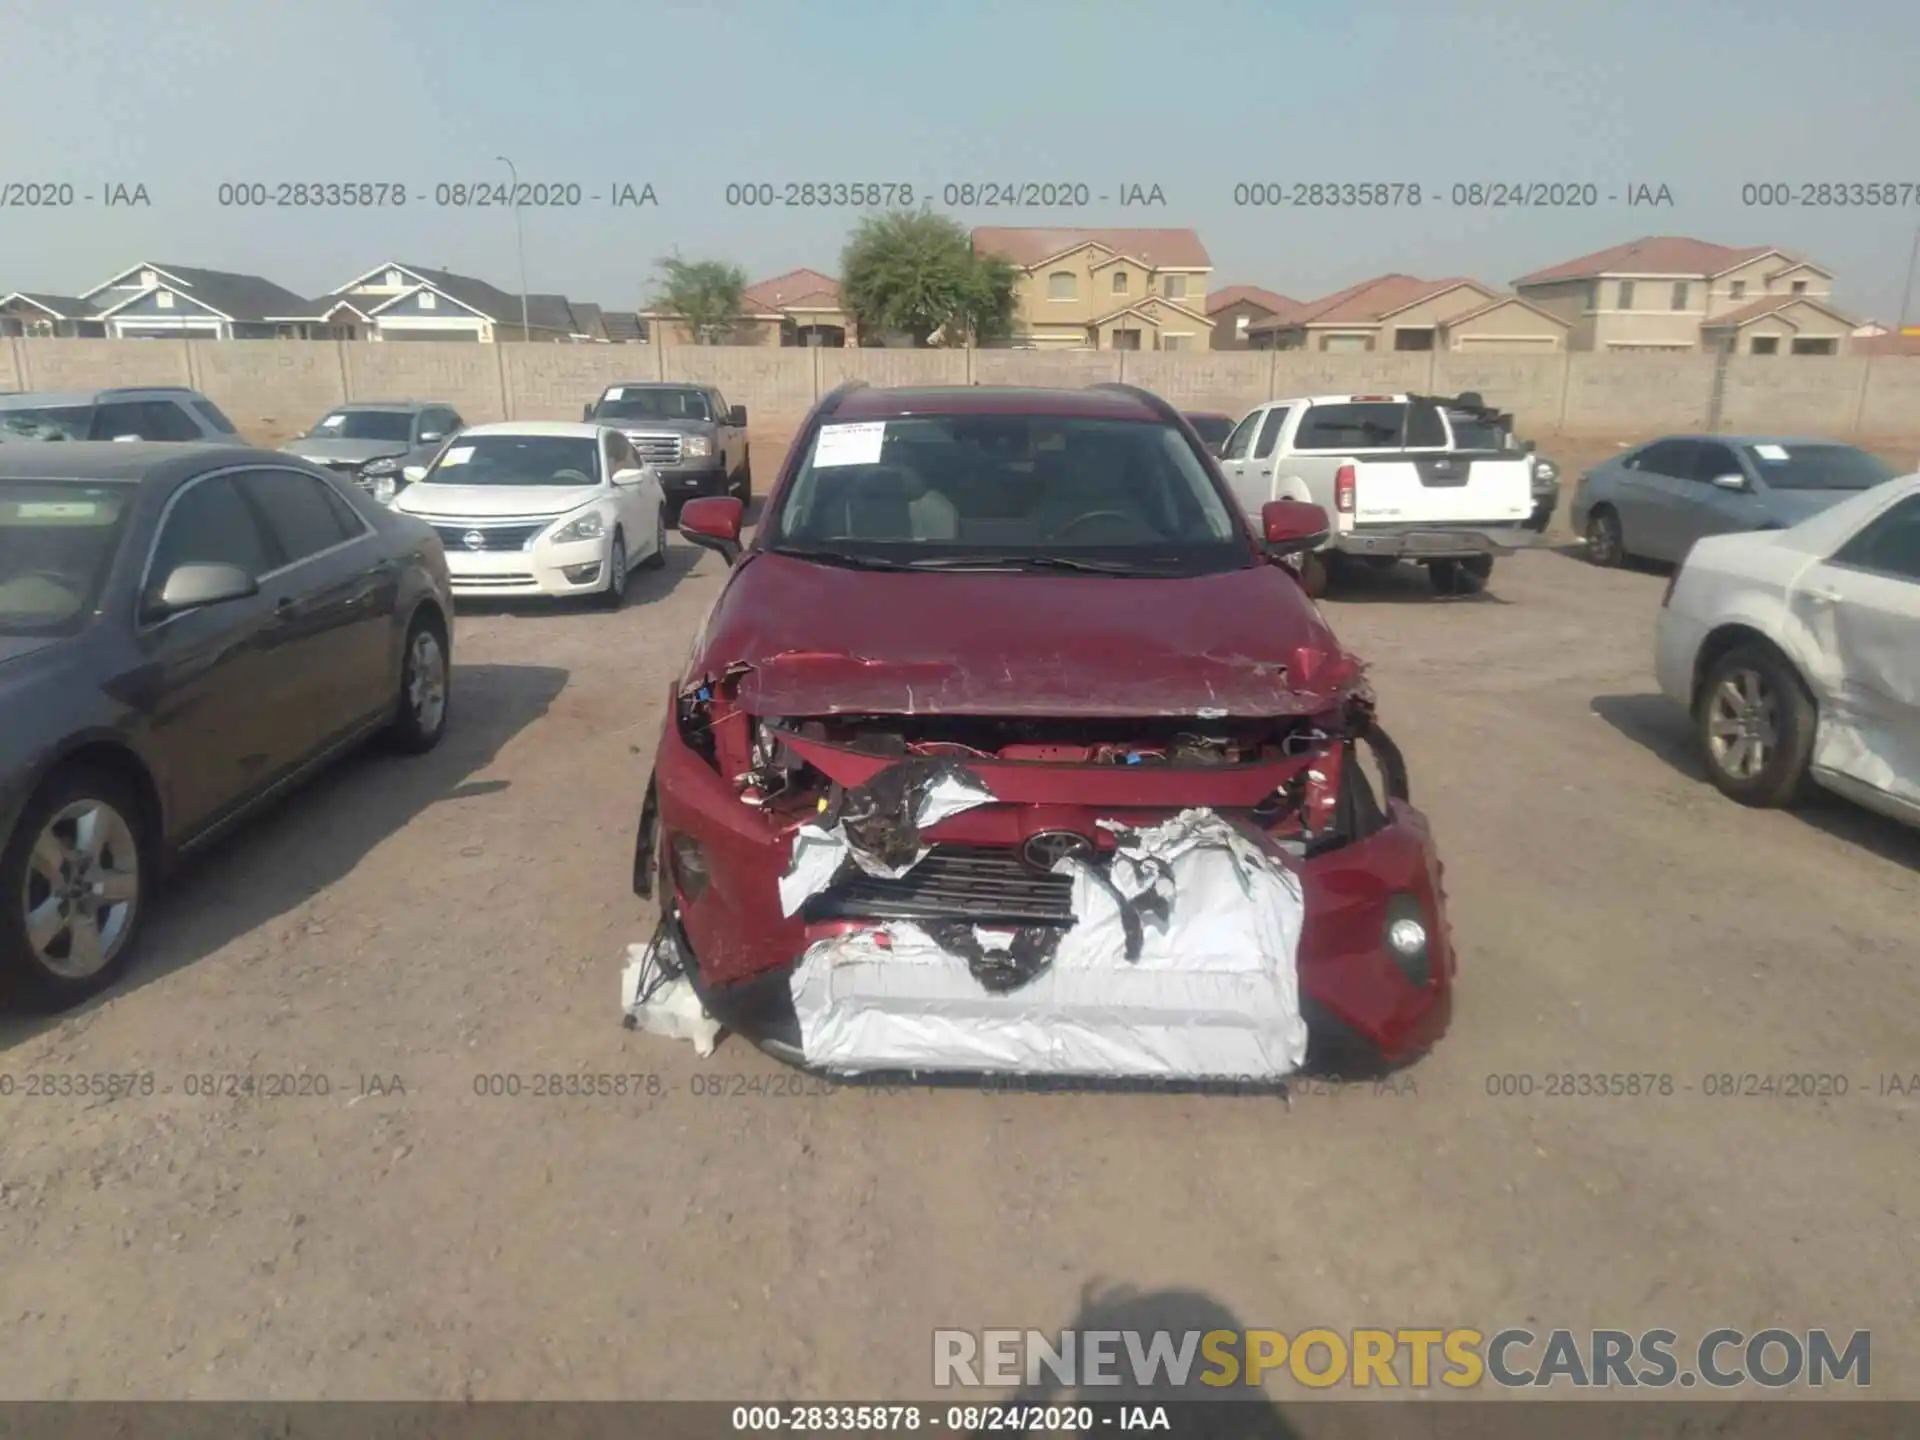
(914, 273)
(707, 294)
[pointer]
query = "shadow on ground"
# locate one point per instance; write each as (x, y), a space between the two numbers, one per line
(1401, 584)
(1657, 724)
(323, 830)
(644, 588)
(1213, 1412)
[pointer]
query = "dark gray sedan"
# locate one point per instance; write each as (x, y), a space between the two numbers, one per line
(1655, 500)
(186, 632)
(377, 444)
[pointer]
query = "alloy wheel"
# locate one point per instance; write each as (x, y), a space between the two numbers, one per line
(1743, 724)
(1603, 539)
(427, 681)
(82, 889)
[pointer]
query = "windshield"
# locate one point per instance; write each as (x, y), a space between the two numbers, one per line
(1818, 467)
(653, 404)
(1211, 428)
(518, 460)
(1009, 492)
(46, 422)
(57, 543)
(364, 425)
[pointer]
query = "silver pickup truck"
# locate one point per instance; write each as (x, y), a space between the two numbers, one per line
(1403, 477)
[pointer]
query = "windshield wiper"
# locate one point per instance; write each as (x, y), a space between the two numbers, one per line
(839, 557)
(1038, 562)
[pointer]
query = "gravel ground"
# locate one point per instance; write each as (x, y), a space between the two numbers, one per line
(405, 929)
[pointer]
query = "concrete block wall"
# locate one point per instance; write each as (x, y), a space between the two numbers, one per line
(273, 388)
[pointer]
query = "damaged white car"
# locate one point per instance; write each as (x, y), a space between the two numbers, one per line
(1797, 653)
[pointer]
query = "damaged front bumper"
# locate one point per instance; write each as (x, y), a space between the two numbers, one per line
(1196, 907)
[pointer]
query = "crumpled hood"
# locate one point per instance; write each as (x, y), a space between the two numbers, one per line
(321, 449)
(822, 640)
(477, 502)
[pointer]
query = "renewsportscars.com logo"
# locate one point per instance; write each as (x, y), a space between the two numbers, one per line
(1393, 1359)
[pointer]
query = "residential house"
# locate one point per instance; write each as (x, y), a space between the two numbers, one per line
(1106, 289)
(1404, 313)
(412, 302)
(801, 307)
(1238, 306)
(154, 301)
(1678, 294)
(66, 316)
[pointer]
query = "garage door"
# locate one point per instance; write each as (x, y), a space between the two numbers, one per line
(1343, 344)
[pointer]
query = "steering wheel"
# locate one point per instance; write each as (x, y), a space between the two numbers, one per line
(1092, 515)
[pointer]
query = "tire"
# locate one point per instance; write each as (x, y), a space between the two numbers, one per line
(658, 559)
(1606, 544)
(1752, 697)
(39, 927)
(614, 594)
(1314, 574)
(1382, 563)
(1466, 576)
(741, 487)
(426, 688)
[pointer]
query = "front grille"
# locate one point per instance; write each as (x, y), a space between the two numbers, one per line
(494, 537)
(979, 884)
(491, 582)
(656, 449)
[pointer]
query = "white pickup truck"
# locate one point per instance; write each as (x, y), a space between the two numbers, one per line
(1404, 477)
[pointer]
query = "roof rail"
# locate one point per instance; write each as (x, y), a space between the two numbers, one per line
(840, 392)
(1160, 406)
(146, 390)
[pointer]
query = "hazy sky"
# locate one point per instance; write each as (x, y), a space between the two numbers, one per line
(1193, 96)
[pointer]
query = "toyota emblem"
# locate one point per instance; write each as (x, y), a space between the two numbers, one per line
(1041, 852)
(474, 540)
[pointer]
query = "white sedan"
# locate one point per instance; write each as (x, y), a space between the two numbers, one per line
(538, 507)
(1797, 652)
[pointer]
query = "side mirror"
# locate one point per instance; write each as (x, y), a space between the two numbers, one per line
(586, 412)
(429, 437)
(713, 522)
(1529, 446)
(631, 476)
(203, 583)
(737, 415)
(1730, 482)
(1292, 527)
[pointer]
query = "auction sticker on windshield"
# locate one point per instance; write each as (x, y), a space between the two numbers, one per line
(57, 510)
(857, 444)
(1771, 452)
(458, 455)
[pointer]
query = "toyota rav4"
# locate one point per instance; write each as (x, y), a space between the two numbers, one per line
(1011, 745)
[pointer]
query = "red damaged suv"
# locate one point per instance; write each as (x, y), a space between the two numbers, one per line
(1047, 602)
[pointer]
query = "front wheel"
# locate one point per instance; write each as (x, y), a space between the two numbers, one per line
(74, 881)
(742, 487)
(1314, 574)
(1754, 721)
(615, 593)
(1606, 547)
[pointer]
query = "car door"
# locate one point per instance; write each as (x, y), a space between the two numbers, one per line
(212, 679)
(1652, 490)
(142, 420)
(1703, 508)
(1861, 607)
(1259, 464)
(334, 594)
(1236, 454)
(638, 504)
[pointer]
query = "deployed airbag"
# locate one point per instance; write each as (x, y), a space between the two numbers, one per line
(1212, 994)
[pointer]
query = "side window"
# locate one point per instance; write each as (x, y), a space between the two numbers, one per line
(1425, 427)
(120, 418)
(1890, 545)
(1712, 461)
(1241, 440)
(208, 524)
(165, 420)
(1270, 432)
(719, 404)
(454, 422)
(1667, 457)
(298, 511)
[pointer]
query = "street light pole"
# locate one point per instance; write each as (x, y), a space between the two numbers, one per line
(520, 243)
(1906, 295)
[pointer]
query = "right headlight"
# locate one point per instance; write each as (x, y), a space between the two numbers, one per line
(590, 526)
(384, 488)
(385, 465)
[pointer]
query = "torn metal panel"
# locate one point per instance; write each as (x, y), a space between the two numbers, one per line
(877, 826)
(1181, 963)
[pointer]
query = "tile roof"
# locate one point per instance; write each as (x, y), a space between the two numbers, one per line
(1678, 255)
(1365, 303)
(1027, 246)
(244, 297)
(621, 326)
(1268, 300)
(64, 307)
(807, 288)
(1768, 305)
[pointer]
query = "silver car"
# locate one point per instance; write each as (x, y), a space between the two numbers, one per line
(1654, 501)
